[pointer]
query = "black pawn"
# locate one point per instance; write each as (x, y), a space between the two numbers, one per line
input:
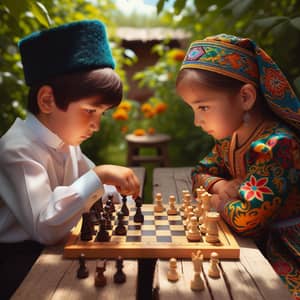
(119, 276)
(124, 207)
(82, 271)
(120, 229)
(102, 235)
(110, 203)
(138, 217)
(87, 228)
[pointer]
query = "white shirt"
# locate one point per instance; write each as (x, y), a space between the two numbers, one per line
(44, 184)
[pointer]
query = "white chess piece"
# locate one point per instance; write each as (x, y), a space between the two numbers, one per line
(183, 205)
(158, 203)
(172, 272)
(172, 208)
(212, 232)
(213, 270)
(197, 283)
(194, 234)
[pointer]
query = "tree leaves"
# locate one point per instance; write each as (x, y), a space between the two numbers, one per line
(17, 8)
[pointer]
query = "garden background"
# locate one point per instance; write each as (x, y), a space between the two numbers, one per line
(274, 25)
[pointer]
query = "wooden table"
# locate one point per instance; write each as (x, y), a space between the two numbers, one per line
(157, 141)
(53, 277)
(251, 277)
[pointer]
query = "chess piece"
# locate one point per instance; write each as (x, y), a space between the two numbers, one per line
(119, 276)
(102, 235)
(194, 234)
(138, 217)
(197, 283)
(183, 205)
(82, 271)
(87, 228)
(212, 232)
(158, 203)
(124, 207)
(206, 205)
(107, 215)
(172, 272)
(198, 210)
(110, 203)
(100, 279)
(213, 270)
(172, 208)
(120, 229)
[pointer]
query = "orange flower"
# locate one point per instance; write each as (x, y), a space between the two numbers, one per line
(146, 107)
(149, 114)
(126, 105)
(120, 114)
(139, 132)
(177, 54)
(160, 107)
(124, 129)
(151, 130)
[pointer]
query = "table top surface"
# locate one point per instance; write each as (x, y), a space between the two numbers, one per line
(251, 277)
(148, 138)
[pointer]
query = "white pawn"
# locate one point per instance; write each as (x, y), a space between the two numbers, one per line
(158, 203)
(194, 234)
(213, 270)
(172, 272)
(172, 208)
(183, 205)
(197, 283)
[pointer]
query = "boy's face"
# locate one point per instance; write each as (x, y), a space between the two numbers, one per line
(78, 123)
(218, 113)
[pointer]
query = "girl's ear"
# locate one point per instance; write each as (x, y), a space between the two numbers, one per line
(248, 96)
(45, 99)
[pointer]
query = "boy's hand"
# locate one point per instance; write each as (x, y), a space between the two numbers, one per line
(226, 189)
(122, 178)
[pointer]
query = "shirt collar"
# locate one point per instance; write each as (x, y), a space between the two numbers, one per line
(43, 133)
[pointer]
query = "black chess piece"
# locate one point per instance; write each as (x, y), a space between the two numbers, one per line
(120, 229)
(102, 235)
(87, 228)
(107, 216)
(82, 271)
(124, 207)
(119, 276)
(100, 279)
(138, 217)
(97, 207)
(110, 202)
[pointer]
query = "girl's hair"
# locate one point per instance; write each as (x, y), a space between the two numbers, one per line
(72, 87)
(212, 80)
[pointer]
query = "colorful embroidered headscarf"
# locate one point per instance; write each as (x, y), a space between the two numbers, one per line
(242, 59)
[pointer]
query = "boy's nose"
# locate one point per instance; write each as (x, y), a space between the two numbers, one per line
(95, 125)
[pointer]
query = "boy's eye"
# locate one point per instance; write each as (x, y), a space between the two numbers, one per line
(203, 108)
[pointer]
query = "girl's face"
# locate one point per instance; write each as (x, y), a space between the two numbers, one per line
(78, 122)
(218, 113)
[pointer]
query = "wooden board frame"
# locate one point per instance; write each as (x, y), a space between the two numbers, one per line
(228, 248)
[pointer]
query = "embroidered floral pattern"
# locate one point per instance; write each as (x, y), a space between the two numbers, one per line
(255, 189)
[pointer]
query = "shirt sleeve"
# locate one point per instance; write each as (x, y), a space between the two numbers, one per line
(271, 174)
(210, 169)
(46, 215)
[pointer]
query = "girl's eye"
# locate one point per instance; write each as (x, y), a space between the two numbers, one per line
(203, 108)
(90, 111)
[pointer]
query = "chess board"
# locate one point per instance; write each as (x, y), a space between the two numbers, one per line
(160, 236)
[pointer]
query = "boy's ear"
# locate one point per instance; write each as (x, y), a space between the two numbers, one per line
(248, 96)
(45, 99)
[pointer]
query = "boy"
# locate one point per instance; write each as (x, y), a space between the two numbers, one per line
(46, 181)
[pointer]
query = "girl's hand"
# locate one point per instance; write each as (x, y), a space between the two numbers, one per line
(226, 189)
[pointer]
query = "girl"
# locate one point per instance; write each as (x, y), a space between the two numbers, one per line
(241, 98)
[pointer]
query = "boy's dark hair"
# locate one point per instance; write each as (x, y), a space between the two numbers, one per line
(72, 87)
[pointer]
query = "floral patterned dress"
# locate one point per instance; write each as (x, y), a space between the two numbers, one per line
(268, 164)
